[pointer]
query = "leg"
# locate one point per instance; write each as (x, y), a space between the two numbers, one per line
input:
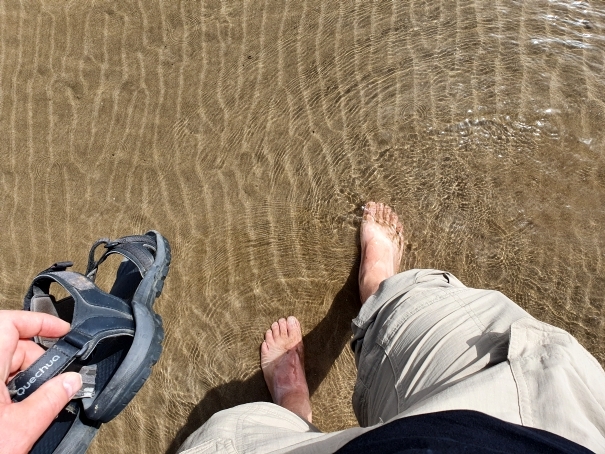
(282, 351)
(262, 427)
(421, 332)
(257, 427)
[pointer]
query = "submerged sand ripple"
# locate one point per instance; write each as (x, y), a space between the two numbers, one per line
(250, 133)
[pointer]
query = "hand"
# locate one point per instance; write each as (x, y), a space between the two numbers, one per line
(21, 424)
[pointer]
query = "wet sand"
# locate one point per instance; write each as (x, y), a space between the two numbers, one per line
(249, 134)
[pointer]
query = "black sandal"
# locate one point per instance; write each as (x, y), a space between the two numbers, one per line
(115, 337)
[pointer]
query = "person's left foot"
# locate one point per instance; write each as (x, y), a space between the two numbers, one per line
(282, 362)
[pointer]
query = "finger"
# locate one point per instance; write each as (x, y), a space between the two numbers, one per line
(24, 324)
(9, 337)
(30, 324)
(25, 355)
(40, 409)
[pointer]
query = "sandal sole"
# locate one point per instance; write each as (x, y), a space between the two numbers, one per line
(147, 344)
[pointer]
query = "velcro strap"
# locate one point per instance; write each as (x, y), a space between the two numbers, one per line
(89, 380)
(92, 263)
(59, 266)
(139, 249)
(50, 364)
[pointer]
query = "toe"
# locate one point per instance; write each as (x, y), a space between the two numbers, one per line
(269, 337)
(275, 330)
(379, 212)
(369, 210)
(293, 325)
(264, 348)
(394, 220)
(387, 214)
(283, 327)
(399, 228)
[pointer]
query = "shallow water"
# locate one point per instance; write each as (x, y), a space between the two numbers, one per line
(250, 133)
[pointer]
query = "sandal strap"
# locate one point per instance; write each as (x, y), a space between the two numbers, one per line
(52, 362)
(139, 249)
(96, 316)
(89, 300)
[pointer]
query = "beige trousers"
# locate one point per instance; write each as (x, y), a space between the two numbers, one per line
(426, 343)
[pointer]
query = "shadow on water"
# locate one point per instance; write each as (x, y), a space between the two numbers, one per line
(323, 345)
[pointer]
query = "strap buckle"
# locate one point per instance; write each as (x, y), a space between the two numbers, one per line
(59, 266)
(79, 340)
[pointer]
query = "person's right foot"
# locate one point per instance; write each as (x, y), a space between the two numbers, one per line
(381, 237)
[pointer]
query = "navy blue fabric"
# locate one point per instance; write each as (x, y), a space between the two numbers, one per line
(458, 431)
(50, 364)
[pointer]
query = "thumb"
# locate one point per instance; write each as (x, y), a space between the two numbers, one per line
(41, 408)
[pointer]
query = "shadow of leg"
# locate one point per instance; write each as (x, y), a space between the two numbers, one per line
(324, 343)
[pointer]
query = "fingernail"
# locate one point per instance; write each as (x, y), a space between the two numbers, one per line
(72, 383)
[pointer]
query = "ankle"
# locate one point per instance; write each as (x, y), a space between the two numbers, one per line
(298, 403)
(368, 285)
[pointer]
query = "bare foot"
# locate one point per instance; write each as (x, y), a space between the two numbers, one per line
(381, 237)
(282, 362)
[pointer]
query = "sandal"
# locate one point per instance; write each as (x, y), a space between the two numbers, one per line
(115, 337)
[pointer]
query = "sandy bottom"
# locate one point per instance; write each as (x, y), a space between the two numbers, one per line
(250, 135)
